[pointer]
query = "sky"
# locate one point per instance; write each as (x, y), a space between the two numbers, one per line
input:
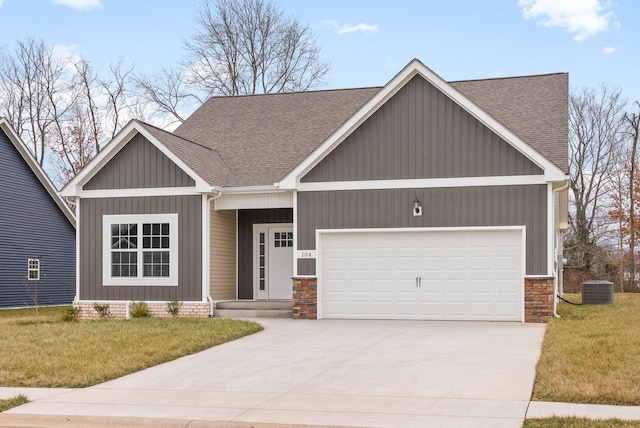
(368, 42)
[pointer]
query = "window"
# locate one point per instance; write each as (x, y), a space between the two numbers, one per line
(33, 269)
(140, 249)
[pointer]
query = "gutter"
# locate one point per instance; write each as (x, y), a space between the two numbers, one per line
(556, 293)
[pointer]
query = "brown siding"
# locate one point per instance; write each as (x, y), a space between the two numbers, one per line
(139, 165)
(420, 133)
(189, 213)
(442, 207)
(223, 255)
(246, 220)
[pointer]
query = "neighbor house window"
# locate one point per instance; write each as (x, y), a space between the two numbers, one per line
(140, 249)
(33, 269)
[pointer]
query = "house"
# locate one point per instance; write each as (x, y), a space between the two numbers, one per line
(37, 263)
(421, 199)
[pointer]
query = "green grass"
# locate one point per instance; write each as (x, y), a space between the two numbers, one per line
(579, 423)
(47, 352)
(16, 401)
(592, 354)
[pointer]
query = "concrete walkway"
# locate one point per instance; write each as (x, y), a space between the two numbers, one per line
(327, 372)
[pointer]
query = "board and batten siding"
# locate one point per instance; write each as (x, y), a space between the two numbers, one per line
(222, 275)
(32, 226)
(139, 165)
(189, 210)
(246, 220)
(420, 133)
(441, 207)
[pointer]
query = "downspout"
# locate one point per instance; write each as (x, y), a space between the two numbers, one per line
(209, 298)
(556, 292)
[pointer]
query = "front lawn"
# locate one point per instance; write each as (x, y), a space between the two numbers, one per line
(48, 352)
(592, 354)
(579, 423)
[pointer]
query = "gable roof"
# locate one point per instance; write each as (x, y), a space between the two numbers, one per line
(262, 138)
(535, 108)
(37, 169)
(186, 154)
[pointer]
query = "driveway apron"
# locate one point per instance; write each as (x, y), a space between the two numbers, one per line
(333, 372)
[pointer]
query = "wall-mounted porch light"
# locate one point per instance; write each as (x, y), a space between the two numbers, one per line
(417, 208)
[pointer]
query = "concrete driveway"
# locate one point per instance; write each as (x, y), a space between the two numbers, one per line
(333, 372)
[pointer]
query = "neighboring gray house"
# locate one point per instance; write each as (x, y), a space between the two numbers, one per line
(37, 229)
(422, 199)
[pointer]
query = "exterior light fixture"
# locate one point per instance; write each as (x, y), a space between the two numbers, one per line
(417, 208)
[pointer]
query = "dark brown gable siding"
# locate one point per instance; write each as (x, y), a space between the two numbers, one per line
(420, 133)
(189, 212)
(442, 207)
(139, 165)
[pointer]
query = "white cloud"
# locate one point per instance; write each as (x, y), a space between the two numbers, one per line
(345, 29)
(80, 4)
(369, 28)
(608, 50)
(583, 18)
(1, 1)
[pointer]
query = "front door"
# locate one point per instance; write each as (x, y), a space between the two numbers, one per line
(273, 261)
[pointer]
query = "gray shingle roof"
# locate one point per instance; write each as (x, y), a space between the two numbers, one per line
(263, 137)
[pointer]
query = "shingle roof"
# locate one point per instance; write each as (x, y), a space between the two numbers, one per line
(263, 137)
(205, 161)
(535, 108)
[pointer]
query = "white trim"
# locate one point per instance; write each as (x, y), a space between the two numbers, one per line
(206, 248)
(550, 230)
(237, 279)
(139, 192)
(233, 201)
(269, 188)
(36, 269)
(321, 232)
(37, 170)
(295, 233)
(415, 67)
(422, 183)
(74, 187)
(108, 220)
(77, 296)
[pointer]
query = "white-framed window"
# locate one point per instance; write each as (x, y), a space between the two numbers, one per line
(140, 249)
(33, 269)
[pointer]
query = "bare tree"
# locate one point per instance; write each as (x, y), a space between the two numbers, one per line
(240, 47)
(61, 107)
(595, 124)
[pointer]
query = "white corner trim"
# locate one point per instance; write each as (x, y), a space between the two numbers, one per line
(415, 67)
(424, 183)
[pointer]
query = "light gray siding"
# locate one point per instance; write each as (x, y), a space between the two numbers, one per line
(442, 207)
(420, 133)
(139, 165)
(189, 212)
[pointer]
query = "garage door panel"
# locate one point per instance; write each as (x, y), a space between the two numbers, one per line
(464, 275)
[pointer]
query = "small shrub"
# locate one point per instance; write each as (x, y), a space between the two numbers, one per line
(102, 310)
(173, 307)
(70, 314)
(139, 310)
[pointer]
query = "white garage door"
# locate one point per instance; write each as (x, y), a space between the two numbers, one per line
(450, 275)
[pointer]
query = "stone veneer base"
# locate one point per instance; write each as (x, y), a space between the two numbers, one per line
(305, 298)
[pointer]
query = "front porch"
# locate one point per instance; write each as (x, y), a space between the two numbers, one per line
(254, 309)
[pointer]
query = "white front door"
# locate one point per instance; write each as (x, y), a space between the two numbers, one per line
(273, 261)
